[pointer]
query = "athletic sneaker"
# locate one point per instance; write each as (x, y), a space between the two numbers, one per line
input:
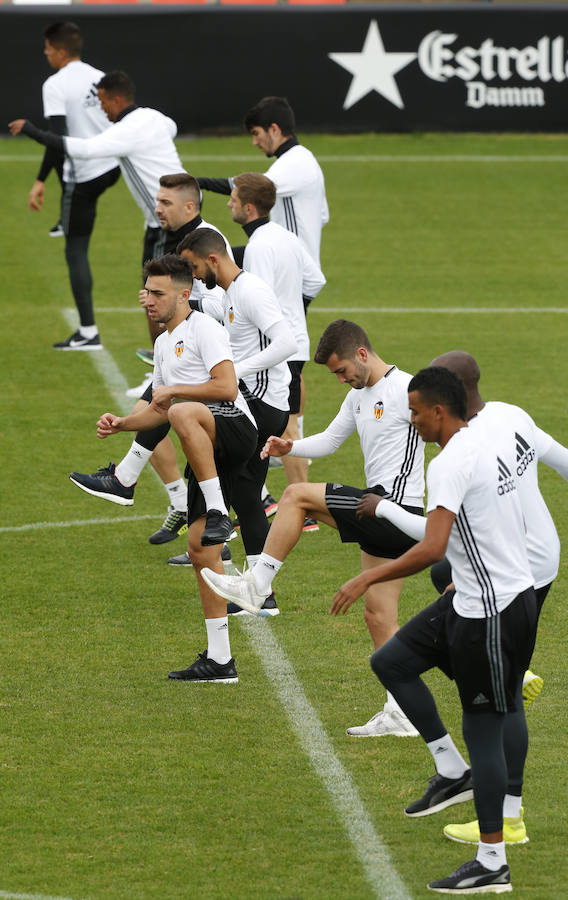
(310, 525)
(218, 528)
(268, 608)
(141, 388)
(440, 793)
(207, 670)
(184, 560)
(386, 721)
(473, 878)
(270, 505)
(104, 483)
(514, 831)
(274, 462)
(240, 589)
(77, 342)
(532, 686)
(57, 230)
(175, 523)
(146, 356)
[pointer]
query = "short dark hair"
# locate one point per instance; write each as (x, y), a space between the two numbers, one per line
(202, 242)
(66, 36)
(343, 338)
(252, 187)
(438, 385)
(176, 267)
(118, 84)
(269, 110)
(181, 181)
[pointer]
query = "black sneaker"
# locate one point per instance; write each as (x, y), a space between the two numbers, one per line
(204, 669)
(175, 523)
(473, 878)
(57, 230)
(270, 505)
(268, 608)
(442, 792)
(77, 342)
(218, 528)
(104, 483)
(310, 525)
(184, 560)
(146, 356)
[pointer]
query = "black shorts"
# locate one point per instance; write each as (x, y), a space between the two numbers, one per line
(486, 657)
(79, 203)
(377, 537)
(295, 366)
(236, 442)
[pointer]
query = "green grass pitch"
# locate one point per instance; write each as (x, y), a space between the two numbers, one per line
(119, 785)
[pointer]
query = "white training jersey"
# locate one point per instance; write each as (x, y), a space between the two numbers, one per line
(392, 450)
(251, 309)
(279, 258)
(474, 478)
(71, 92)
(510, 425)
(143, 143)
(301, 204)
(190, 351)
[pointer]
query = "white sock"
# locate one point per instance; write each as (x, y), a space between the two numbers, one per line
(218, 647)
(213, 495)
(128, 470)
(512, 806)
(264, 492)
(88, 331)
(264, 571)
(252, 560)
(300, 421)
(391, 704)
(448, 759)
(492, 856)
(177, 492)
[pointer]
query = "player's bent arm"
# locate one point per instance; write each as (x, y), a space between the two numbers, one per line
(412, 525)
(221, 386)
(276, 446)
(142, 421)
(218, 185)
(428, 551)
(282, 346)
(556, 456)
(326, 442)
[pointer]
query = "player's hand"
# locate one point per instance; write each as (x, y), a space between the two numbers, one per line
(142, 297)
(16, 126)
(450, 587)
(276, 446)
(162, 398)
(35, 200)
(367, 505)
(109, 424)
(347, 595)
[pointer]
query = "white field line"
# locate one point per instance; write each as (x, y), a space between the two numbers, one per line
(354, 158)
(305, 722)
(401, 310)
(8, 895)
(75, 523)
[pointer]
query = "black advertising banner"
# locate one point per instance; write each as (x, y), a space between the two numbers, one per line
(344, 69)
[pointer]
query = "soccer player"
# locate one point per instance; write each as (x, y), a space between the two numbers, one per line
(279, 258)
(377, 407)
(217, 433)
(481, 634)
(301, 204)
(532, 445)
(71, 107)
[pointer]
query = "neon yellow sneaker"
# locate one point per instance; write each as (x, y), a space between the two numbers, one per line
(514, 831)
(532, 686)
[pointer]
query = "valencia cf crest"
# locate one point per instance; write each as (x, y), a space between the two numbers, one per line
(379, 409)
(179, 349)
(231, 315)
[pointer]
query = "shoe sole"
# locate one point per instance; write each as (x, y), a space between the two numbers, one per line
(244, 605)
(146, 361)
(531, 690)
(205, 680)
(484, 889)
(262, 614)
(186, 565)
(459, 798)
(308, 528)
(271, 510)
(382, 734)
(91, 349)
(458, 840)
(122, 501)
(171, 536)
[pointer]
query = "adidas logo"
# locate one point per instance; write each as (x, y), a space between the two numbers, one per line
(506, 481)
(440, 750)
(525, 454)
(481, 698)
(137, 453)
(336, 486)
(222, 627)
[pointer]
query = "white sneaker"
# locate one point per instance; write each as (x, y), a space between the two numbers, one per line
(239, 589)
(140, 388)
(386, 721)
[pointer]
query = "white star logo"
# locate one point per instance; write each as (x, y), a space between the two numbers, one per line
(373, 69)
